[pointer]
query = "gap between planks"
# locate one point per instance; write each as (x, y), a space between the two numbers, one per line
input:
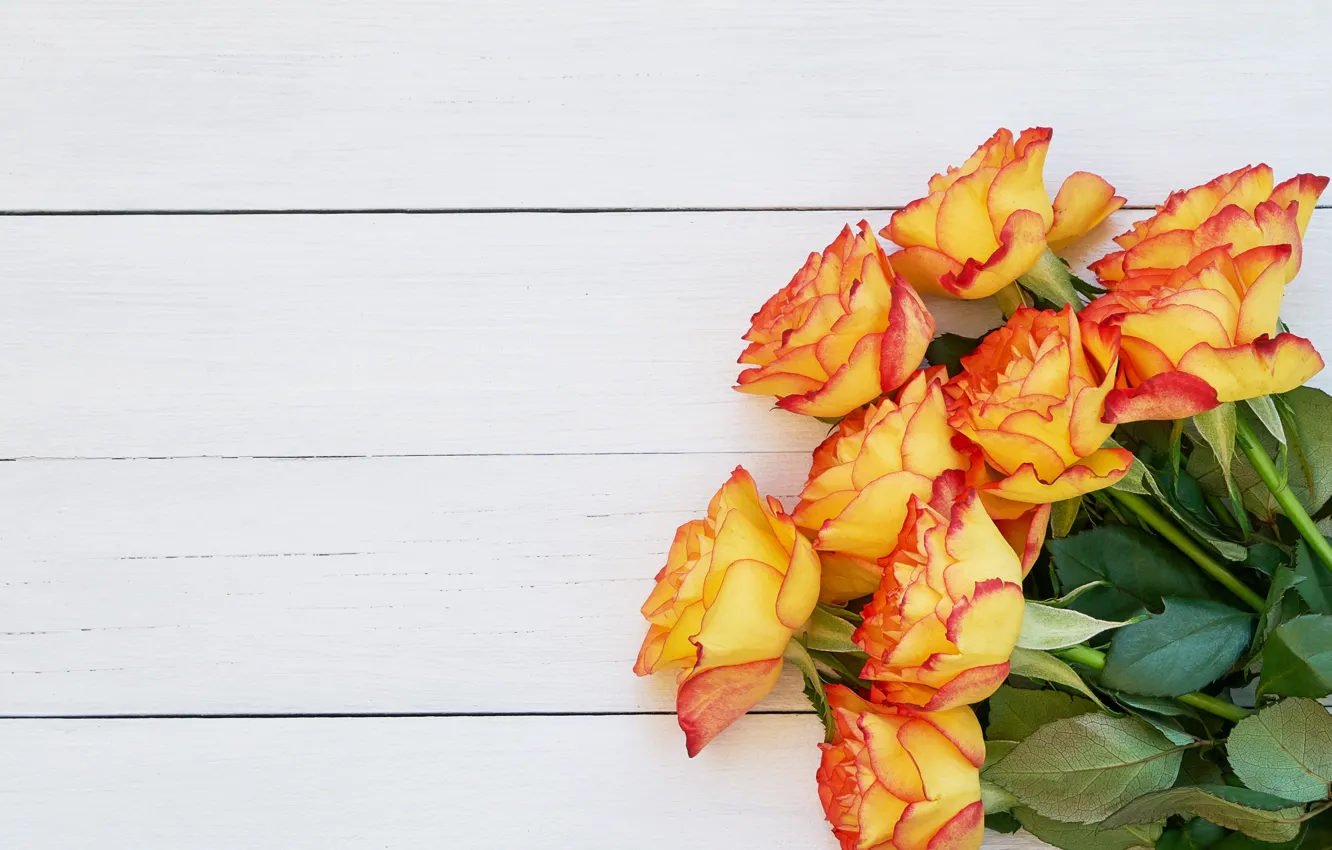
(472, 211)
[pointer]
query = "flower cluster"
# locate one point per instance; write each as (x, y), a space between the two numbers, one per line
(896, 581)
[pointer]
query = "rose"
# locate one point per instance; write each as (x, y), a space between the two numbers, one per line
(987, 222)
(1032, 401)
(1199, 335)
(734, 588)
(843, 331)
(941, 626)
(1241, 209)
(898, 777)
(865, 473)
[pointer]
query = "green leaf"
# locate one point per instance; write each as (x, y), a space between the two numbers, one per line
(1140, 568)
(1044, 667)
(1002, 823)
(1307, 415)
(1069, 598)
(1285, 749)
(995, 799)
(1081, 769)
(1204, 834)
(842, 666)
(843, 613)
(1280, 605)
(1076, 836)
(1217, 428)
(1228, 549)
(797, 655)
(1257, 815)
(1050, 279)
(1316, 588)
(1135, 480)
(1297, 658)
(1197, 769)
(1265, 410)
(1046, 627)
(1192, 643)
(1265, 557)
(829, 633)
(1063, 514)
(1017, 712)
(948, 349)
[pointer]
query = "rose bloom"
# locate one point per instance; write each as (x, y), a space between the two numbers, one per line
(734, 588)
(866, 472)
(941, 626)
(1241, 209)
(845, 330)
(1032, 401)
(898, 778)
(987, 222)
(1198, 335)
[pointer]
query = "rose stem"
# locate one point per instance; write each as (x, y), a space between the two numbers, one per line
(1280, 490)
(1184, 543)
(1095, 659)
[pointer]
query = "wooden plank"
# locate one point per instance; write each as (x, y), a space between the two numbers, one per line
(403, 103)
(446, 584)
(503, 782)
(360, 335)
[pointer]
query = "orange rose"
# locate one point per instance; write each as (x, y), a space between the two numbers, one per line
(866, 472)
(1199, 335)
(898, 778)
(1240, 209)
(948, 610)
(985, 224)
(734, 588)
(842, 332)
(1032, 401)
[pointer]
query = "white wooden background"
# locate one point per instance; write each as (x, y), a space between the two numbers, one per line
(329, 530)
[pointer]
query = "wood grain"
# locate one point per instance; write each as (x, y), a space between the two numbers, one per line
(444, 584)
(501, 783)
(365, 335)
(146, 104)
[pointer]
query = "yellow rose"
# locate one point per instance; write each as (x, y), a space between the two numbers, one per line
(842, 332)
(1193, 337)
(866, 472)
(1241, 210)
(948, 610)
(898, 778)
(734, 588)
(986, 223)
(1033, 401)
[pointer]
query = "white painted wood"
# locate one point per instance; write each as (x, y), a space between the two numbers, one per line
(408, 103)
(355, 335)
(501, 783)
(444, 584)
(332, 335)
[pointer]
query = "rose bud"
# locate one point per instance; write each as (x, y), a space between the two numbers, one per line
(1241, 210)
(1032, 400)
(898, 778)
(1198, 335)
(844, 331)
(734, 588)
(941, 626)
(866, 472)
(987, 222)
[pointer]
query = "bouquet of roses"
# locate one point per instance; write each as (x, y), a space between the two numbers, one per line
(1070, 577)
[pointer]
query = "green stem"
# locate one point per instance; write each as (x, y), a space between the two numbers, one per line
(1088, 657)
(1010, 299)
(1186, 544)
(1280, 490)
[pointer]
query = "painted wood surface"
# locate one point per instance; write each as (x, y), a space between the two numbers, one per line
(270, 467)
(152, 104)
(440, 334)
(501, 783)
